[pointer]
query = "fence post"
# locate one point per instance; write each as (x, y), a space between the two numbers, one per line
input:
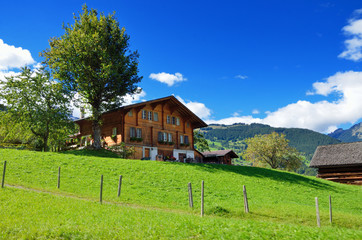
(3, 179)
(202, 198)
(101, 190)
(119, 186)
(58, 178)
(317, 212)
(246, 203)
(330, 209)
(191, 201)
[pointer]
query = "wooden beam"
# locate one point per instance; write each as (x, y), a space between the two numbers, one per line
(162, 117)
(137, 110)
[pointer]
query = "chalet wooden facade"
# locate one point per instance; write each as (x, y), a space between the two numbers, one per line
(158, 129)
(339, 162)
(220, 157)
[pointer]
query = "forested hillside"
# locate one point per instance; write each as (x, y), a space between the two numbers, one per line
(232, 136)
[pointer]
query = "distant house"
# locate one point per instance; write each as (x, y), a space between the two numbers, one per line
(158, 129)
(220, 157)
(339, 162)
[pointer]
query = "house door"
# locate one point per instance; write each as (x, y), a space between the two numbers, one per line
(181, 157)
(147, 153)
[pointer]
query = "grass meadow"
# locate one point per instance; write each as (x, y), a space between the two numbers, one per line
(154, 200)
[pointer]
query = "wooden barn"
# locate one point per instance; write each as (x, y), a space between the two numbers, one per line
(159, 129)
(339, 162)
(220, 157)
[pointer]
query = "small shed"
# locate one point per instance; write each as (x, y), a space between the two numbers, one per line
(220, 157)
(339, 162)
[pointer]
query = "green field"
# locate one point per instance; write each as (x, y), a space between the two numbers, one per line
(154, 200)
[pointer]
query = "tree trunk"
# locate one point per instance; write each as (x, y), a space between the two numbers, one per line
(45, 146)
(96, 129)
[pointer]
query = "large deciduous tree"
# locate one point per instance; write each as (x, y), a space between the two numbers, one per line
(93, 59)
(36, 102)
(273, 150)
(200, 142)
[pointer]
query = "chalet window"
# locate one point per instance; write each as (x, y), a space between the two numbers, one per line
(150, 116)
(114, 132)
(130, 113)
(178, 121)
(168, 119)
(170, 137)
(173, 120)
(144, 114)
(182, 139)
(155, 117)
(186, 139)
(139, 133)
(132, 132)
(188, 125)
(164, 137)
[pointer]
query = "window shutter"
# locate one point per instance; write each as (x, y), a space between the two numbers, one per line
(186, 139)
(159, 136)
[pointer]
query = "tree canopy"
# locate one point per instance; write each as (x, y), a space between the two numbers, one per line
(35, 102)
(93, 59)
(273, 150)
(200, 142)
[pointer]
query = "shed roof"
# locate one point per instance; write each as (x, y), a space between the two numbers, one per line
(220, 153)
(344, 154)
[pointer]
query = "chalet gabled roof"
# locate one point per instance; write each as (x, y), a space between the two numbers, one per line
(220, 153)
(344, 154)
(173, 102)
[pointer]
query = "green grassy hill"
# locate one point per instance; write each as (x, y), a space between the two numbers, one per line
(154, 200)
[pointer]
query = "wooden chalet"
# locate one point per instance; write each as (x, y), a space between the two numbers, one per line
(220, 157)
(339, 162)
(158, 129)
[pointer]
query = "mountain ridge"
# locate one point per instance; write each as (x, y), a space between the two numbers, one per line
(353, 134)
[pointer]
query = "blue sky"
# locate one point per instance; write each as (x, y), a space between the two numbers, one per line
(282, 63)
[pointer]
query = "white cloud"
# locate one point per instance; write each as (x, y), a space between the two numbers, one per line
(322, 116)
(167, 78)
(255, 111)
(354, 44)
(13, 57)
(132, 98)
(241, 76)
(196, 107)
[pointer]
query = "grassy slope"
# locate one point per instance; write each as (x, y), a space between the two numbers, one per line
(29, 215)
(274, 196)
